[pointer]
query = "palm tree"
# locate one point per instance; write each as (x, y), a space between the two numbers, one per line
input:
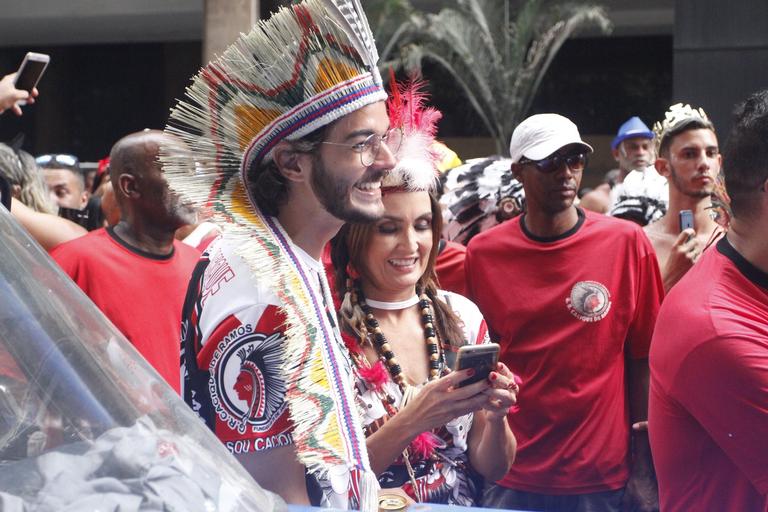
(496, 51)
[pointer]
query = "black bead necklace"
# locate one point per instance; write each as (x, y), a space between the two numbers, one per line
(384, 349)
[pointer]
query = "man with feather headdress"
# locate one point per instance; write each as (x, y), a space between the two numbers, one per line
(288, 138)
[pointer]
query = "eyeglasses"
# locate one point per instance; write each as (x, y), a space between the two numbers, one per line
(57, 160)
(369, 148)
(575, 162)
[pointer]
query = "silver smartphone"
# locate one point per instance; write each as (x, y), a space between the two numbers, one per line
(31, 70)
(482, 358)
(686, 220)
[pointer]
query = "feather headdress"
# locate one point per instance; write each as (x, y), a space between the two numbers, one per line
(303, 68)
(417, 158)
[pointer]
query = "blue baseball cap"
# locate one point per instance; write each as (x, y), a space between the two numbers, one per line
(633, 127)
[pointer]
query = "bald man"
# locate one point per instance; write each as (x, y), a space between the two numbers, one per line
(135, 271)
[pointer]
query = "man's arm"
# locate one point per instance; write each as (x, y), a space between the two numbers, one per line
(676, 260)
(278, 470)
(642, 489)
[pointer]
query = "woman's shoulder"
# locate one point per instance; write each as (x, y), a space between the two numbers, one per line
(457, 302)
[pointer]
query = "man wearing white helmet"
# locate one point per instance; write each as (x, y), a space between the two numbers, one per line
(571, 296)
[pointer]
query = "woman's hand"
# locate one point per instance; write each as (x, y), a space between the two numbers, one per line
(502, 393)
(441, 400)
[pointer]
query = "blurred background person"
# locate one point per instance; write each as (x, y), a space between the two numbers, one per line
(135, 272)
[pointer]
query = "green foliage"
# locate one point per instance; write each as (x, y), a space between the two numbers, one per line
(496, 51)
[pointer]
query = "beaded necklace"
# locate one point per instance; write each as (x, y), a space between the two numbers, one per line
(384, 349)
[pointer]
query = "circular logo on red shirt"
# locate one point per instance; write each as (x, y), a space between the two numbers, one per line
(589, 301)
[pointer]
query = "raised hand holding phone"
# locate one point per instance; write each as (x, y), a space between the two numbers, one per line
(481, 358)
(19, 88)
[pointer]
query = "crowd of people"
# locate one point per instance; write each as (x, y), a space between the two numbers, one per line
(289, 250)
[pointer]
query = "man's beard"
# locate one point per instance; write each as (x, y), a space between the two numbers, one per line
(334, 196)
(683, 188)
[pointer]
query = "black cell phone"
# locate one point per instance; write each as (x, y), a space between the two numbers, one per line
(30, 71)
(482, 358)
(686, 219)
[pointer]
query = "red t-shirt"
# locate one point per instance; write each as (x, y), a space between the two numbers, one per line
(566, 311)
(449, 267)
(141, 293)
(708, 411)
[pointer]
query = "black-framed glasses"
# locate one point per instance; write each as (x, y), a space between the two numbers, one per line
(575, 162)
(57, 160)
(369, 148)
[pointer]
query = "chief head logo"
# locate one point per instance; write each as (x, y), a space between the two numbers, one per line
(246, 387)
(589, 301)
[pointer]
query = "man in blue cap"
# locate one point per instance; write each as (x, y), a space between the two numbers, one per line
(633, 147)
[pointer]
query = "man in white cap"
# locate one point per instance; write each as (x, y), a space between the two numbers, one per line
(571, 297)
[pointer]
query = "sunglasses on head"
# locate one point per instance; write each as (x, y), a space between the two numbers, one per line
(57, 160)
(574, 161)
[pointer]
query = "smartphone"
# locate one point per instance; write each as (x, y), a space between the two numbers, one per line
(30, 71)
(686, 219)
(482, 358)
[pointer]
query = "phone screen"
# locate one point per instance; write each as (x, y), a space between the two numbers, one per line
(686, 219)
(484, 362)
(29, 74)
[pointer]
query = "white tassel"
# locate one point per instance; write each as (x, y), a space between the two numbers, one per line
(369, 492)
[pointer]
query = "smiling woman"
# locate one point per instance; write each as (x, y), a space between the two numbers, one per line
(425, 435)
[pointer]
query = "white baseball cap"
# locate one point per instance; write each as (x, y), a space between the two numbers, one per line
(541, 135)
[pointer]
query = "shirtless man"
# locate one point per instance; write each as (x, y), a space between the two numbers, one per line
(689, 157)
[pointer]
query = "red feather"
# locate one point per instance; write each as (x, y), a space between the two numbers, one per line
(375, 376)
(424, 444)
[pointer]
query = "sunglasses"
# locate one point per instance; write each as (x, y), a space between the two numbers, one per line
(57, 160)
(575, 162)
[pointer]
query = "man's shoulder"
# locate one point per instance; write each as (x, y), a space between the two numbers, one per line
(229, 282)
(490, 238)
(187, 254)
(91, 243)
(601, 222)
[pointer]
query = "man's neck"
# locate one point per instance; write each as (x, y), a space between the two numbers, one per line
(310, 230)
(549, 225)
(702, 214)
(148, 238)
(749, 238)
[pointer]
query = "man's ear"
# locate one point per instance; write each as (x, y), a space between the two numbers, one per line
(292, 164)
(662, 166)
(127, 186)
(16, 191)
(517, 171)
(615, 152)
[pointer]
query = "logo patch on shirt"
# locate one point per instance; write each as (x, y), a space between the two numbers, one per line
(246, 386)
(589, 301)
